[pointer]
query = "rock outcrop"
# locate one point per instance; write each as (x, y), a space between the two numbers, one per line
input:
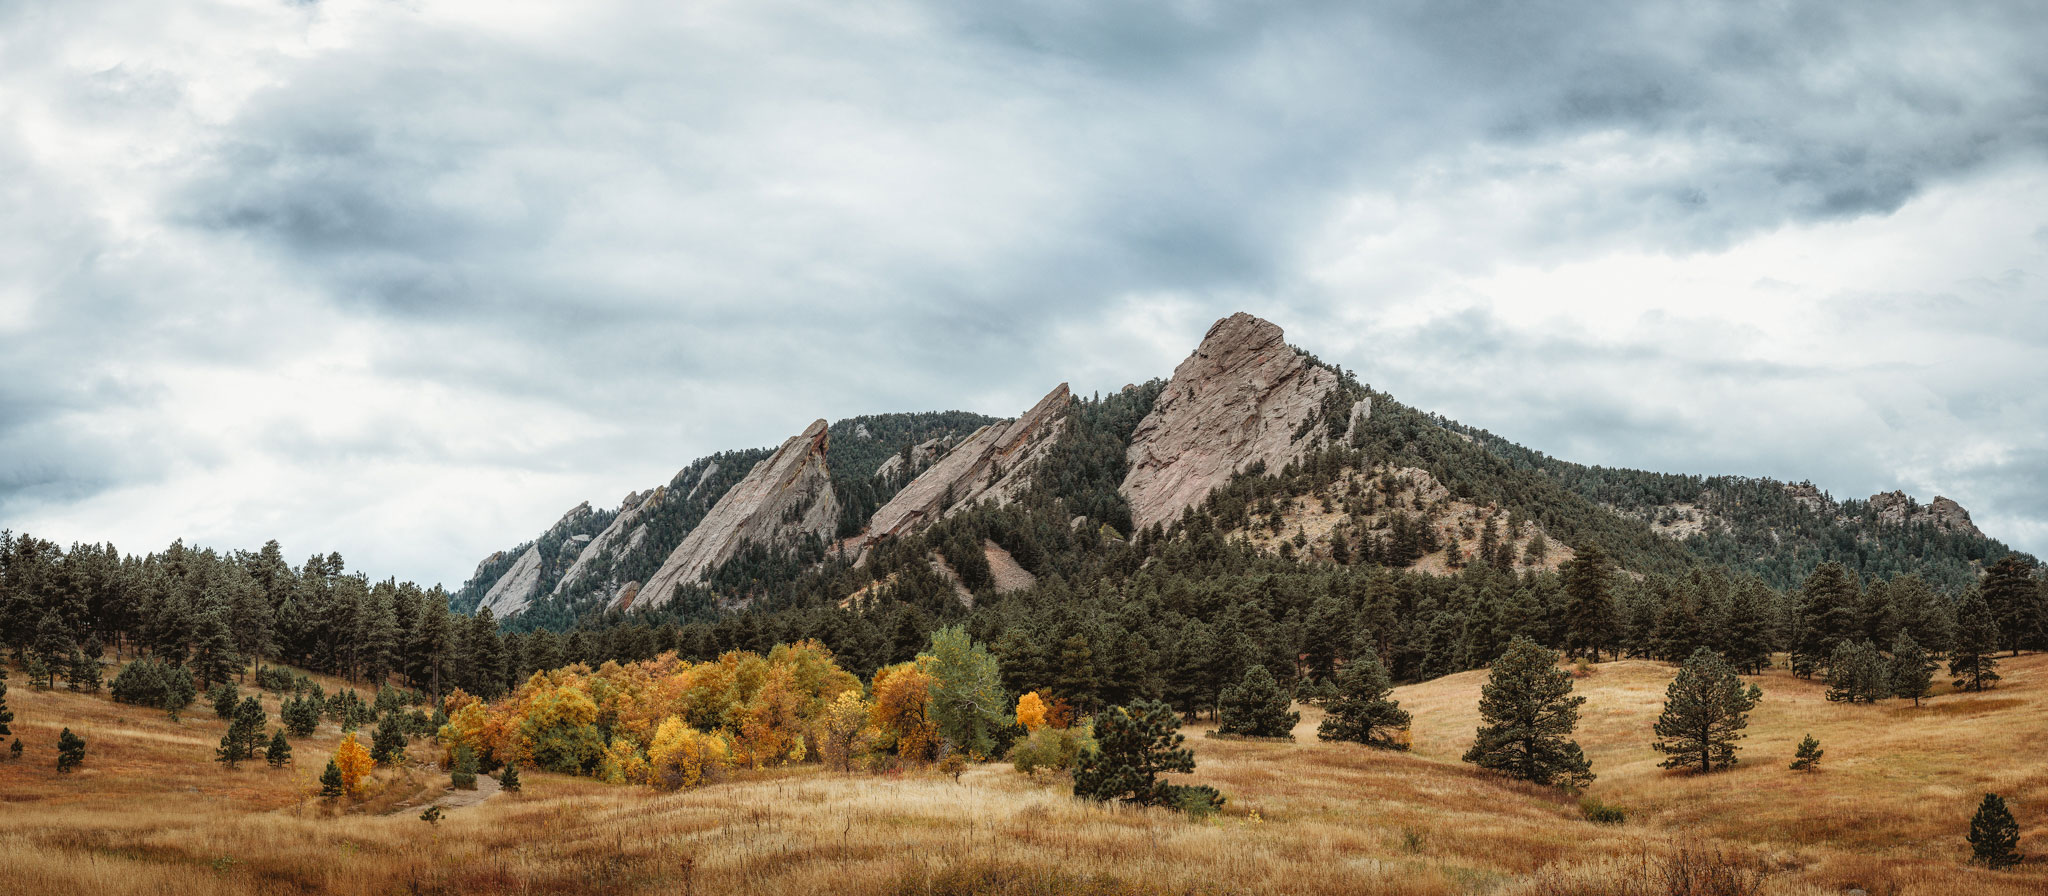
(1241, 399)
(517, 588)
(625, 533)
(782, 499)
(992, 464)
(921, 455)
(1896, 508)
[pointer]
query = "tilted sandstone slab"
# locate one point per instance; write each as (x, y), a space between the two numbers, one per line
(992, 464)
(515, 590)
(1239, 400)
(623, 534)
(782, 499)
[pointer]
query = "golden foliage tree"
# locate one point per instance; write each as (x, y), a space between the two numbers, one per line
(355, 764)
(1031, 711)
(681, 757)
(839, 730)
(902, 712)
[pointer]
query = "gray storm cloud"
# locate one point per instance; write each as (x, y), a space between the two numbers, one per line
(407, 280)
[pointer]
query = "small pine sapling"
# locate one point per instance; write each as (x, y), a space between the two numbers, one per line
(1807, 759)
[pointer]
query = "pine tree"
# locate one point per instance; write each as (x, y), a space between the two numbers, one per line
(6, 715)
(279, 753)
(1826, 616)
(1705, 709)
(214, 658)
(1971, 660)
(387, 743)
(15, 750)
(70, 751)
(1134, 745)
(1857, 673)
(49, 652)
(1994, 835)
(1807, 757)
(1529, 713)
(224, 697)
(509, 778)
(1365, 710)
(84, 673)
(330, 781)
(1747, 634)
(1912, 670)
(301, 715)
(244, 733)
(1257, 707)
(463, 775)
(2012, 594)
(1589, 603)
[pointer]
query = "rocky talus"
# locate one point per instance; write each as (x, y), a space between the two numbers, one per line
(781, 500)
(1241, 399)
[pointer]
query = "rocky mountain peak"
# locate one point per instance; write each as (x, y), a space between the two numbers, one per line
(994, 463)
(781, 500)
(1239, 400)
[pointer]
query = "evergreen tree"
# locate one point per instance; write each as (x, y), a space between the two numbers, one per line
(1857, 673)
(509, 778)
(463, 775)
(1912, 670)
(1256, 706)
(1748, 633)
(1994, 835)
(70, 751)
(214, 658)
(1705, 709)
(1589, 607)
(1365, 710)
(50, 652)
(330, 781)
(1923, 613)
(301, 715)
(14, 750)
(1134, 745)
(2013, 596)
(1528, 714)
(279, 753)
(245, 732)
(1826, 616)
(387, 743)
(1971, 660)
(1807, 757)
(84, 674)
(6, 715)
(224, 697)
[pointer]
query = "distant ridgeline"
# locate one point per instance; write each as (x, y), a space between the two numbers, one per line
(1258, 507)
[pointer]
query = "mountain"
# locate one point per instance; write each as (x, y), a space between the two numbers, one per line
(1251, 440)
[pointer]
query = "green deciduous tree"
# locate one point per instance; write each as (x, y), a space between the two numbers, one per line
(1528, 713)
(967, 699)
(1705, 709)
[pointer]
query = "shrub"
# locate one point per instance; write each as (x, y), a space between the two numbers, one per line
(1051, 749)
(1598, 812)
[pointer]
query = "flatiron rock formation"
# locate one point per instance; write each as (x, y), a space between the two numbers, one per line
(1239, 400)
(993, 464)
(521, 584)
(781, 500)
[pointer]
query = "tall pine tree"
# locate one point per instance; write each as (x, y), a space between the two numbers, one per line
(1527, 714)
(1705, 709)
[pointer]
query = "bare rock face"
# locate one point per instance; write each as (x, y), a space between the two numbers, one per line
(623, 534)
(782, 499)
(517, 588)
(1240, 399)
(992, 464)
(1896, 508)
(922, 455)
(1809, 496)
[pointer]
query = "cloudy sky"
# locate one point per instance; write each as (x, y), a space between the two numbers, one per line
(408, 278)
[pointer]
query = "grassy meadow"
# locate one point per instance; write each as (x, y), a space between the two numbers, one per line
(149, 812)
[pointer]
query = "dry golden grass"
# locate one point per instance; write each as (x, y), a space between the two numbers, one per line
(148, 813)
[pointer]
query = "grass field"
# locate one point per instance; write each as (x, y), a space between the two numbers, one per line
(148, 812)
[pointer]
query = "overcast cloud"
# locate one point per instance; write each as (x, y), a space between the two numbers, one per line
(408, 279)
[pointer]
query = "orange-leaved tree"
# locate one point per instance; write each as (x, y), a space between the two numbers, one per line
(839, 730)
(1031, 711)
(902, 702)
(355, 764)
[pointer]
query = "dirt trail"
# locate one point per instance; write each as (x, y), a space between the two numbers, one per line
(486, 787)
